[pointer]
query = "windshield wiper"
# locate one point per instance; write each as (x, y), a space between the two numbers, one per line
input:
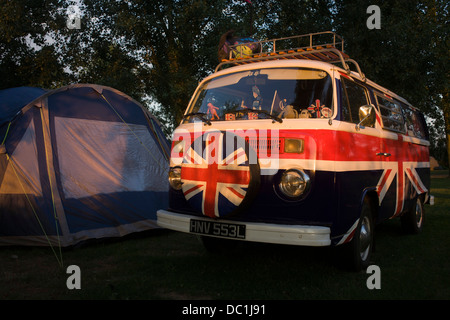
(275, 118)
(200, 115)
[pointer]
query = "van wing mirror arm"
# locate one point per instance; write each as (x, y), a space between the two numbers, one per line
(366, 116)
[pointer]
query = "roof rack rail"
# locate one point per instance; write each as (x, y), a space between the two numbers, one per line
(321, 46)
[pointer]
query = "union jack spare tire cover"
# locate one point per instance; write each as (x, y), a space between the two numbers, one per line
(220, 174)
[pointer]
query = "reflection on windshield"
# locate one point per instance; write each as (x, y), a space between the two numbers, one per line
(286, 93)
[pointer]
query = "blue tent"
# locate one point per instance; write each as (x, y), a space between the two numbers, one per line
(76, 163)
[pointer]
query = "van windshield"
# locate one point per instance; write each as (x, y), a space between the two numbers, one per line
(287, 93)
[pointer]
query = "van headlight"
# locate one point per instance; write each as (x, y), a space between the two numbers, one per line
(294, 183)
(175, 178)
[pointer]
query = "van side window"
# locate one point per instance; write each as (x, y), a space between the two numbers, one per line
(354, 96)
(414, 124)
(391, 113)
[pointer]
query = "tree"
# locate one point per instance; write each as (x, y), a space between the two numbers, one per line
(437, 17)
(93, 53)
(157, 51)
(27, 57)
(173, 45)
(283, 18)
(408, 55)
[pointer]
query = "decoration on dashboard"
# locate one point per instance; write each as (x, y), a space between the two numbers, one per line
(319, 111)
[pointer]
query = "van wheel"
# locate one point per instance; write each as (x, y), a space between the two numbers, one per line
(412, 220)
(359, 249)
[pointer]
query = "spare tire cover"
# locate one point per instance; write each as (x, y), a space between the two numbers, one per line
(220, 174)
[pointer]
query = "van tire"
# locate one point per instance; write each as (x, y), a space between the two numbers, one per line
(358, 251)
(412, 220)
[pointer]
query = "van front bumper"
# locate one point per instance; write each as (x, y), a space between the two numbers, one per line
(301, 235)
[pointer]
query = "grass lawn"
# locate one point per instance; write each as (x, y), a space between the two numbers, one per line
(165, 265)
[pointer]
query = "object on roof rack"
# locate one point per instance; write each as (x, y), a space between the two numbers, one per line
(237, 47)
(322, 46)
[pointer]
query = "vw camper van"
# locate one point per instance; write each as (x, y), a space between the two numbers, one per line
(294, 145)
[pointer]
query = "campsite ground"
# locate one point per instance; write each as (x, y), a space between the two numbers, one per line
(163, 265)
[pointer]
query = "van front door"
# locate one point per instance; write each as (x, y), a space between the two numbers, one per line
(358, 167)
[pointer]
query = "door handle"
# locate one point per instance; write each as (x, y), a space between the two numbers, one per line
(384, 154)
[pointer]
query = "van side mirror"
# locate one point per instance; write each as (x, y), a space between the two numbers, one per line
(366, 116)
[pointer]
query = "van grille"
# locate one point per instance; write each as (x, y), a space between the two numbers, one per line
(268, 146)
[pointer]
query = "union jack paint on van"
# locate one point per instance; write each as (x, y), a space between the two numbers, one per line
(293, 147)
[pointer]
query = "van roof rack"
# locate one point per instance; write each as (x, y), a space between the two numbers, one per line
(321, 46)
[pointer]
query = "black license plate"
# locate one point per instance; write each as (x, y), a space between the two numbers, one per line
(218, 229)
